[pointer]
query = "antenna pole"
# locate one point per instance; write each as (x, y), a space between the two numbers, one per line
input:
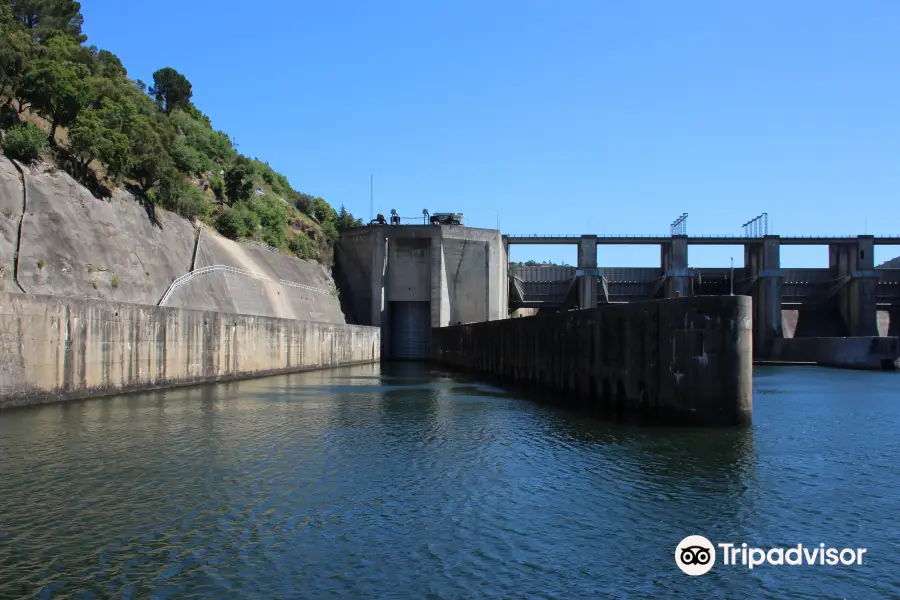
(371, 195)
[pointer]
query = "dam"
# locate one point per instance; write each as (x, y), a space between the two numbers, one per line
(126, 303)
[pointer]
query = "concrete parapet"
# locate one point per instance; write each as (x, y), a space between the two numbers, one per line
(683, 360)
(872, 353)
(54, 348)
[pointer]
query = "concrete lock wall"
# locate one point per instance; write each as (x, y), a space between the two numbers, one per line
(54, 348)
(453, 273)
(686, 360)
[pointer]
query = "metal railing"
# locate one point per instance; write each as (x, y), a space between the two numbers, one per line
(735, 236)
(259, 245)
(227, 269)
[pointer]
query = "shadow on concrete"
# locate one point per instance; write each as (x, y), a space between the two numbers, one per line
(146, 203)
(82, 174)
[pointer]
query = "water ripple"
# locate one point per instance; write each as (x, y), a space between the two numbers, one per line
(409, 482)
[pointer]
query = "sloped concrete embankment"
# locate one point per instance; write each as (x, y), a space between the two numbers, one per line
(682, 360)
(10, 209)
(262, 295)
(54, 348)
(74, 244)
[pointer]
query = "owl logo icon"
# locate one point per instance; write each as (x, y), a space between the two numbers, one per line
(695, 555)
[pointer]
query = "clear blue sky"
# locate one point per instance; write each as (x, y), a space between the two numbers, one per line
(566, 117)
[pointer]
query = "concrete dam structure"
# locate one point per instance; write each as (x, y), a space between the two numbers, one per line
(412, 278)
(440, 293)
(849, 298)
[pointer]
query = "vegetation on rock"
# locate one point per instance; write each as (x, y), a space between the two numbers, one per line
(109, 130)
(24, 142)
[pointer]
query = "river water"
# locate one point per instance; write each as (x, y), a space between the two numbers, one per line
(405, 481)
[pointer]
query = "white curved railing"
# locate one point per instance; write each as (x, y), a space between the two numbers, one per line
(227, 269)
(260, 245)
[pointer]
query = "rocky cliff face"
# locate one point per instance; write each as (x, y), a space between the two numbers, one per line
(74, 244)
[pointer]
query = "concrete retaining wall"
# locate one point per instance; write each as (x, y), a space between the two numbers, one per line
(54, 348)
(845, 352)
(684, 360)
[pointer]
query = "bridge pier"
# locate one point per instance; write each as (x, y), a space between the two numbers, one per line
(856, 296)
(587, 281)
(762, 265)
(674, 263)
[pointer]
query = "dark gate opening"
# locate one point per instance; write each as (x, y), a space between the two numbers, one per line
(410, 324)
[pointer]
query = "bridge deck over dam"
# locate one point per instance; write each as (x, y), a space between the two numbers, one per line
(694, 240)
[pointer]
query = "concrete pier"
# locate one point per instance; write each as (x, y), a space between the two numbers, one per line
(587, 265)
(675, 361)
(854, 266)
(762, 266)
(674, 262)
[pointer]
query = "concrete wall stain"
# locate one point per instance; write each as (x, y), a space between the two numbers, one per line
(683, 360)
(54, 348)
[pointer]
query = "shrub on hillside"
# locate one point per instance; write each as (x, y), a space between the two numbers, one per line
(237, 222)
(25, 142)
(302, 247)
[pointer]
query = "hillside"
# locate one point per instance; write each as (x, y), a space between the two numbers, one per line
(894, 263)
(56, 238)
(72, 104)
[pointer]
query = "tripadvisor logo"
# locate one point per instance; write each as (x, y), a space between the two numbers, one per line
(696, 555)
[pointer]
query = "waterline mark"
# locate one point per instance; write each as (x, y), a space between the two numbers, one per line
(696, 555)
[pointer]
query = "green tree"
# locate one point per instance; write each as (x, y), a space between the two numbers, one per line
(302, 246)
(100, 134)
(17, 51)
(171, 89)
(65, 49)
(239, 180)
(150, 159)
(111, 66)
(346, 221)
(57, 90)
(188, 159)
(48, 17)
(6, 16)
(179, 196)
(237, 222)
(25, 142)
(215, 145)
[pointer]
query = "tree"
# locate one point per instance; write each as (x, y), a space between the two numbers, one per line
(57, 90)
(150, 159)
(237, 222)
(17, 51)
(6, 16)
(171, 89)
(49, 17)
(187, 158)
(346, 221)
(110, 65)
(239, 180)
(99, 133)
